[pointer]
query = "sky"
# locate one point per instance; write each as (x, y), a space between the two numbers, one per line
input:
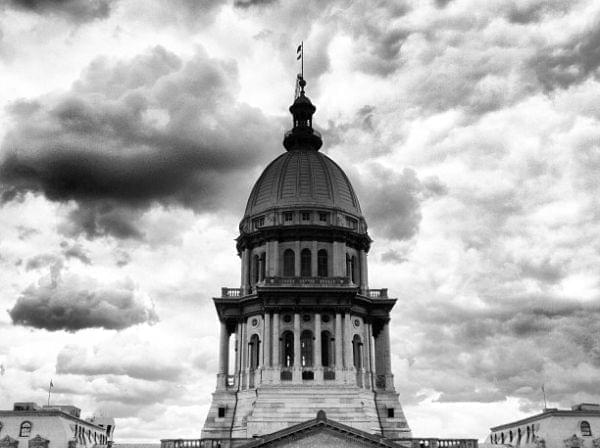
(133, 130)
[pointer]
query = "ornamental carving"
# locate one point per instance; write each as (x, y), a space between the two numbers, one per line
(38, 442)
(9, 442)
(573, 442)
(596, 443)
(539, 442)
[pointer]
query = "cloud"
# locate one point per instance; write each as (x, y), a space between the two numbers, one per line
(572, 62)
(78, 11)
(137, 359)
(392, 203)
(72, 303)
(130, 134)
(75, 251)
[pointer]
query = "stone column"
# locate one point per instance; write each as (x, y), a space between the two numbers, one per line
(267, 370)
(338, 346)
(387, 356)
(245, 273)
(348, 357)
(297, 371)
(244, 356)
(297, 259)
(238, 353)
(317, 350)
(223, 369)
(339, 259)
(364, 273)
(368, 355)
(276, 374)
(313, 259)
(273, 259)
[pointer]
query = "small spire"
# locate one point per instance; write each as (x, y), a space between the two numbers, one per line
(302, 135)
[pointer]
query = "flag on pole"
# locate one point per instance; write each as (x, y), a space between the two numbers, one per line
(299, 52)
(51, 384)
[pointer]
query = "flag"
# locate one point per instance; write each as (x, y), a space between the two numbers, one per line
(51, 384)
(2, 369)
(299, 52)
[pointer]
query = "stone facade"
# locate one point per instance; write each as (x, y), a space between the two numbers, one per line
(305, 330)
(553, 428)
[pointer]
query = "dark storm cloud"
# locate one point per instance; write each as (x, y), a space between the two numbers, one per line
(76, 10)
(130, 134)
(75, 251)
(561, 66)
(73, 304)
(392, 201)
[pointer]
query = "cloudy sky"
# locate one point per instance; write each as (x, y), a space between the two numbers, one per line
(133, 130)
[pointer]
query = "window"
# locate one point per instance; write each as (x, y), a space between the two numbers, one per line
(288, 349)
(510, 436)
(306, 348)
(322, 263)
(502, 438)
(357, 351)
(221, 411)
(351, 268)
(323, 217)
(258, 222)
(25, 430)
(327, 349)
(528, 434)
(255, 268)
(289, 263)
(390, 412)
(351, 222)
(254, 351)
(305, 216)
(305, 263)
(288, 216)
(586, 429)
(262, 264)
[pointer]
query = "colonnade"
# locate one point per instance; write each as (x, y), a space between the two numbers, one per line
(367, 365)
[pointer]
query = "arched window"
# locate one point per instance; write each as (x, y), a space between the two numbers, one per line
(357, 351)
(502, 438)
(305, 263)
(586, 429)
(262, 263)
(510, 436)
(288, 349)
(25, 430)
(354, 269)
(306, 348)
(519, 436)
(254, 348)
(255, 268)
(322, 263)
(528, 434)
(289, 263)
(327, 349)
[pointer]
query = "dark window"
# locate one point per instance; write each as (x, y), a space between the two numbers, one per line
(586, 429)
(510, 436)
(258, 222)
(25, 430)
(288, 349)
(325, 318)
(351, 268)
(287, 318)
(528, 434)
(221, 412)
(306, 317)
(305, 263)
(254, 347)
(322, 263)
(305, 216)
(323, 217)
(262, 263)
(306, 348)
(502, 438)
(288, 263)
(390, 412)
(255, 268)
(357, 351)
(288, 216)
(308, 375)
(327, 349)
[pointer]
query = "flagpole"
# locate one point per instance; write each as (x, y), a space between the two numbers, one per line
(49, 389)
(544, 392)
(302, 59)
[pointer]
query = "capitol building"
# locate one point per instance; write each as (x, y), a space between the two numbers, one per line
(304, 353)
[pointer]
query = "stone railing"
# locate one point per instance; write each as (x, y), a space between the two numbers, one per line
(306, 281)
(231, 292)
(378, 293)
(437, 443)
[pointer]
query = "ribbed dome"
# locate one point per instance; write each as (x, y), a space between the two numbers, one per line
(303, 178)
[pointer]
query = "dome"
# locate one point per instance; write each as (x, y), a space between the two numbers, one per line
(303, 178)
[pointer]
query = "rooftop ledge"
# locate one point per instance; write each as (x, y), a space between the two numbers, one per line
(306, 282)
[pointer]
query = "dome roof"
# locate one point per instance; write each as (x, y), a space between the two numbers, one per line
(303, 178)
